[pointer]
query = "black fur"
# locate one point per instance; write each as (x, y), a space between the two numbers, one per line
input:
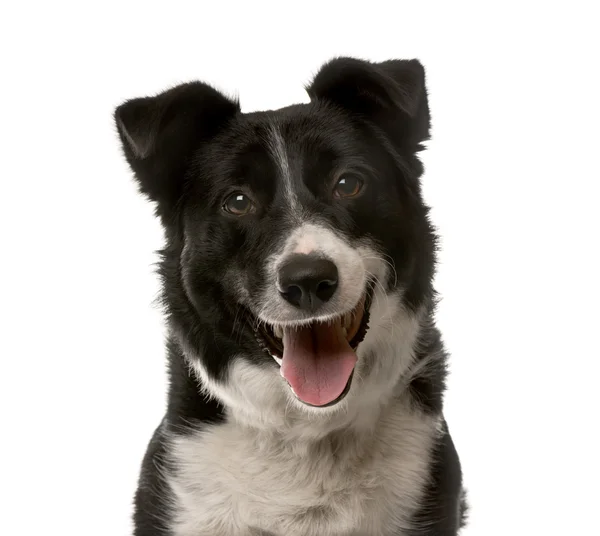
(443, 511)
(191, 146)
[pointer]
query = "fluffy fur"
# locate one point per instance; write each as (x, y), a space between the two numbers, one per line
(237, 453)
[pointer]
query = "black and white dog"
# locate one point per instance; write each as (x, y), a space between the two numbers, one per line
(306, 372)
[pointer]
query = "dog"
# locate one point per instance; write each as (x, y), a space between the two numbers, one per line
(306, 373)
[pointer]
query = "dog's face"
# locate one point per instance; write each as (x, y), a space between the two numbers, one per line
(297, 237)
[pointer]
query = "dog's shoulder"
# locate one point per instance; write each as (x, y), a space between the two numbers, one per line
(151, 502)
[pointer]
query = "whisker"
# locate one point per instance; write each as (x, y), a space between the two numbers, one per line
(389, 263)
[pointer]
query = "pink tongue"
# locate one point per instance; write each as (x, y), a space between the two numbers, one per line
(317, 362)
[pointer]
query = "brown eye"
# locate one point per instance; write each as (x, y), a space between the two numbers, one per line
(347, 186)
(238, 204)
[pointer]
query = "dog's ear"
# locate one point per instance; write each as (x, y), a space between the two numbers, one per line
(391, 94)
(159, 135)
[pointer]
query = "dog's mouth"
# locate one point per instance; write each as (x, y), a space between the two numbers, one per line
(317, 359)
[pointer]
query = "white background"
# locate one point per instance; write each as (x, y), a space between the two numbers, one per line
(512, 175)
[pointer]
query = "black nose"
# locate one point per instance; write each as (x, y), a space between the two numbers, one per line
(307, 281)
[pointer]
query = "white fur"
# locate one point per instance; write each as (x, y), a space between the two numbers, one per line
(280, 156)
(232, 480)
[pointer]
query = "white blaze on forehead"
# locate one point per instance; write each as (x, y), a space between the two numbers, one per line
(279, 153)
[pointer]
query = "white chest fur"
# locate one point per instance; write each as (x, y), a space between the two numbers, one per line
(234, 481)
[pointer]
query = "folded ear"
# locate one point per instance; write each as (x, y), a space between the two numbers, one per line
(391, 94)
(159, 135)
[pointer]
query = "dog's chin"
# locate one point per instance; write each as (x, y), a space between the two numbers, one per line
(343, 332)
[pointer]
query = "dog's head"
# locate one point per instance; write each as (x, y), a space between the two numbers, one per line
(299, 250)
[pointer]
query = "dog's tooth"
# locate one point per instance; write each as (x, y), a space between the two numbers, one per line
(344, 332)
(278, 330)
(277, 359)
(347, 320)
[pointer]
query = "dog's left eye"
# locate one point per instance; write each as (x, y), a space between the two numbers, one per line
(238, 204)
(347, 186)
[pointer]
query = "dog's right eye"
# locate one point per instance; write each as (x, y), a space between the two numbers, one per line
(238, 204)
